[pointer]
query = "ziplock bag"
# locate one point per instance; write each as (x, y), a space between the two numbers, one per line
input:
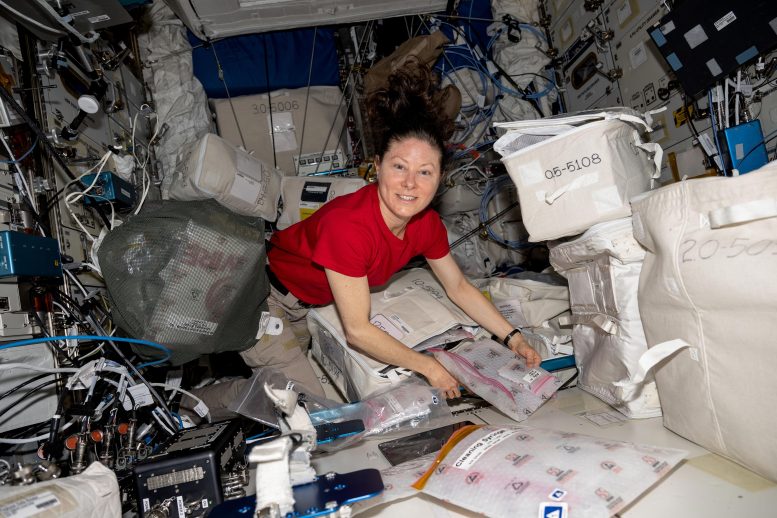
(411, 405)
(499, 376)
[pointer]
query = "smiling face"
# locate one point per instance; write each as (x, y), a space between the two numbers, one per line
(408, 176)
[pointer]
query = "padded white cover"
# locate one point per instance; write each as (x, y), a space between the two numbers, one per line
(603, 267)
(412, 307)
(570, 181)
(709, 279)
(95, 492)
(304, 195)
(211, 167)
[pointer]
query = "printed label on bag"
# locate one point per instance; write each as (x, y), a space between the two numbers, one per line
(30, 505)
(383, 323)
(553, 510)
(192, 325)
(513, 313)
(481, 446)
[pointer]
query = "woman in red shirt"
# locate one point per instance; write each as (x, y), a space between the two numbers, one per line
(358, 241)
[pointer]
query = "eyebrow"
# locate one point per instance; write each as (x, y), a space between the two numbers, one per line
(425, 164)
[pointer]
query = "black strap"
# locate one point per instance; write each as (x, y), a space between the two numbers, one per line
(506, 340)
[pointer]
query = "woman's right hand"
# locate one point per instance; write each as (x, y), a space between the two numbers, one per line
(440, 378)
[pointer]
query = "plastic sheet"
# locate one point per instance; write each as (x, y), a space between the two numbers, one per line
(512, 471)
(499, 376)
(397, 483)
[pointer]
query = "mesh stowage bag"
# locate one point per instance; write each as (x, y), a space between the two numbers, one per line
(188, 275)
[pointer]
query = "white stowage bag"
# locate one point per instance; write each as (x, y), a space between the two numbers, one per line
(211, 167)
(279, 126)
(304, 195)
(576, 171)
(412, 308)
(536, 307)
(707, 291)
(180, 100)
(95, 492)
(512, 471)
(603, 267)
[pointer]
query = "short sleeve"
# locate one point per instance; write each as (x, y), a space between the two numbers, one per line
(438, 246)
(342, 246)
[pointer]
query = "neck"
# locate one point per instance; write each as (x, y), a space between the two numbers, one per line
(395, 225)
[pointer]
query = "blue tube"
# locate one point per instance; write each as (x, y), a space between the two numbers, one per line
(46, 339)
(21, 158)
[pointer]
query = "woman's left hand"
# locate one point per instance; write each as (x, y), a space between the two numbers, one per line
(520, 347)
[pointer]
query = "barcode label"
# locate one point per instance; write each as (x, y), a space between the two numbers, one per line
(29, 505)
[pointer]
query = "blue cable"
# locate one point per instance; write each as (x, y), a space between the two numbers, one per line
(257, 436)
(41, 340)
(490, 192)
(180, 421)
(21, 158)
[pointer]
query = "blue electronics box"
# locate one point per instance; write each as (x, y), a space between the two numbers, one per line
(743, 147)
(109, 188)
(27, 255)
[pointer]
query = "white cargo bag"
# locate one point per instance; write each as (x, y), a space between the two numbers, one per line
(535, 307)
(708, 288)
(213, 168)
(281, 125)
(603, 267)
(304, 195)
(411, 308)
(571, 177)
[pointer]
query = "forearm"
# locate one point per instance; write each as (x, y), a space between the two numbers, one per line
(378, 344)
(480, 309)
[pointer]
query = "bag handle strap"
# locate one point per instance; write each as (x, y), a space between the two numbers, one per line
(577, 183)
(628, 388)
(743, 212)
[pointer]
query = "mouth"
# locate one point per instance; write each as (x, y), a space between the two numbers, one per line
(405, 197)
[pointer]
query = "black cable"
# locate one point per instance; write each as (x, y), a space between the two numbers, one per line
(30, 393)
(568, 382)
(762, 143)
(24, 384)
(33, 125)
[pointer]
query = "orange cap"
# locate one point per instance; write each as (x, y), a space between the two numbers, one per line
(71, 442)
(123, 428)
(96, 435)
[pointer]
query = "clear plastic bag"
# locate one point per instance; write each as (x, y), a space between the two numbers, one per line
(512, 471)
(254, 403)
(397, 483)
(408, 406)
(481, 366)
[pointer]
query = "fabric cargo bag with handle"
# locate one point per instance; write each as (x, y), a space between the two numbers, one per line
(534, 303)
(708, 300)
(412, 307)
(603, 267)
(574, 172)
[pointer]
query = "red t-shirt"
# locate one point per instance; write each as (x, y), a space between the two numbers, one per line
(348, 235)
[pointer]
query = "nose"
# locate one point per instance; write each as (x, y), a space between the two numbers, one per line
(408, 180)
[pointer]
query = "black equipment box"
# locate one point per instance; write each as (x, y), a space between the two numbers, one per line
(704, 40)
(188, 477)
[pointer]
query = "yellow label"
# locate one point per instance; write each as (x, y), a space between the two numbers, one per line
(306, 213)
